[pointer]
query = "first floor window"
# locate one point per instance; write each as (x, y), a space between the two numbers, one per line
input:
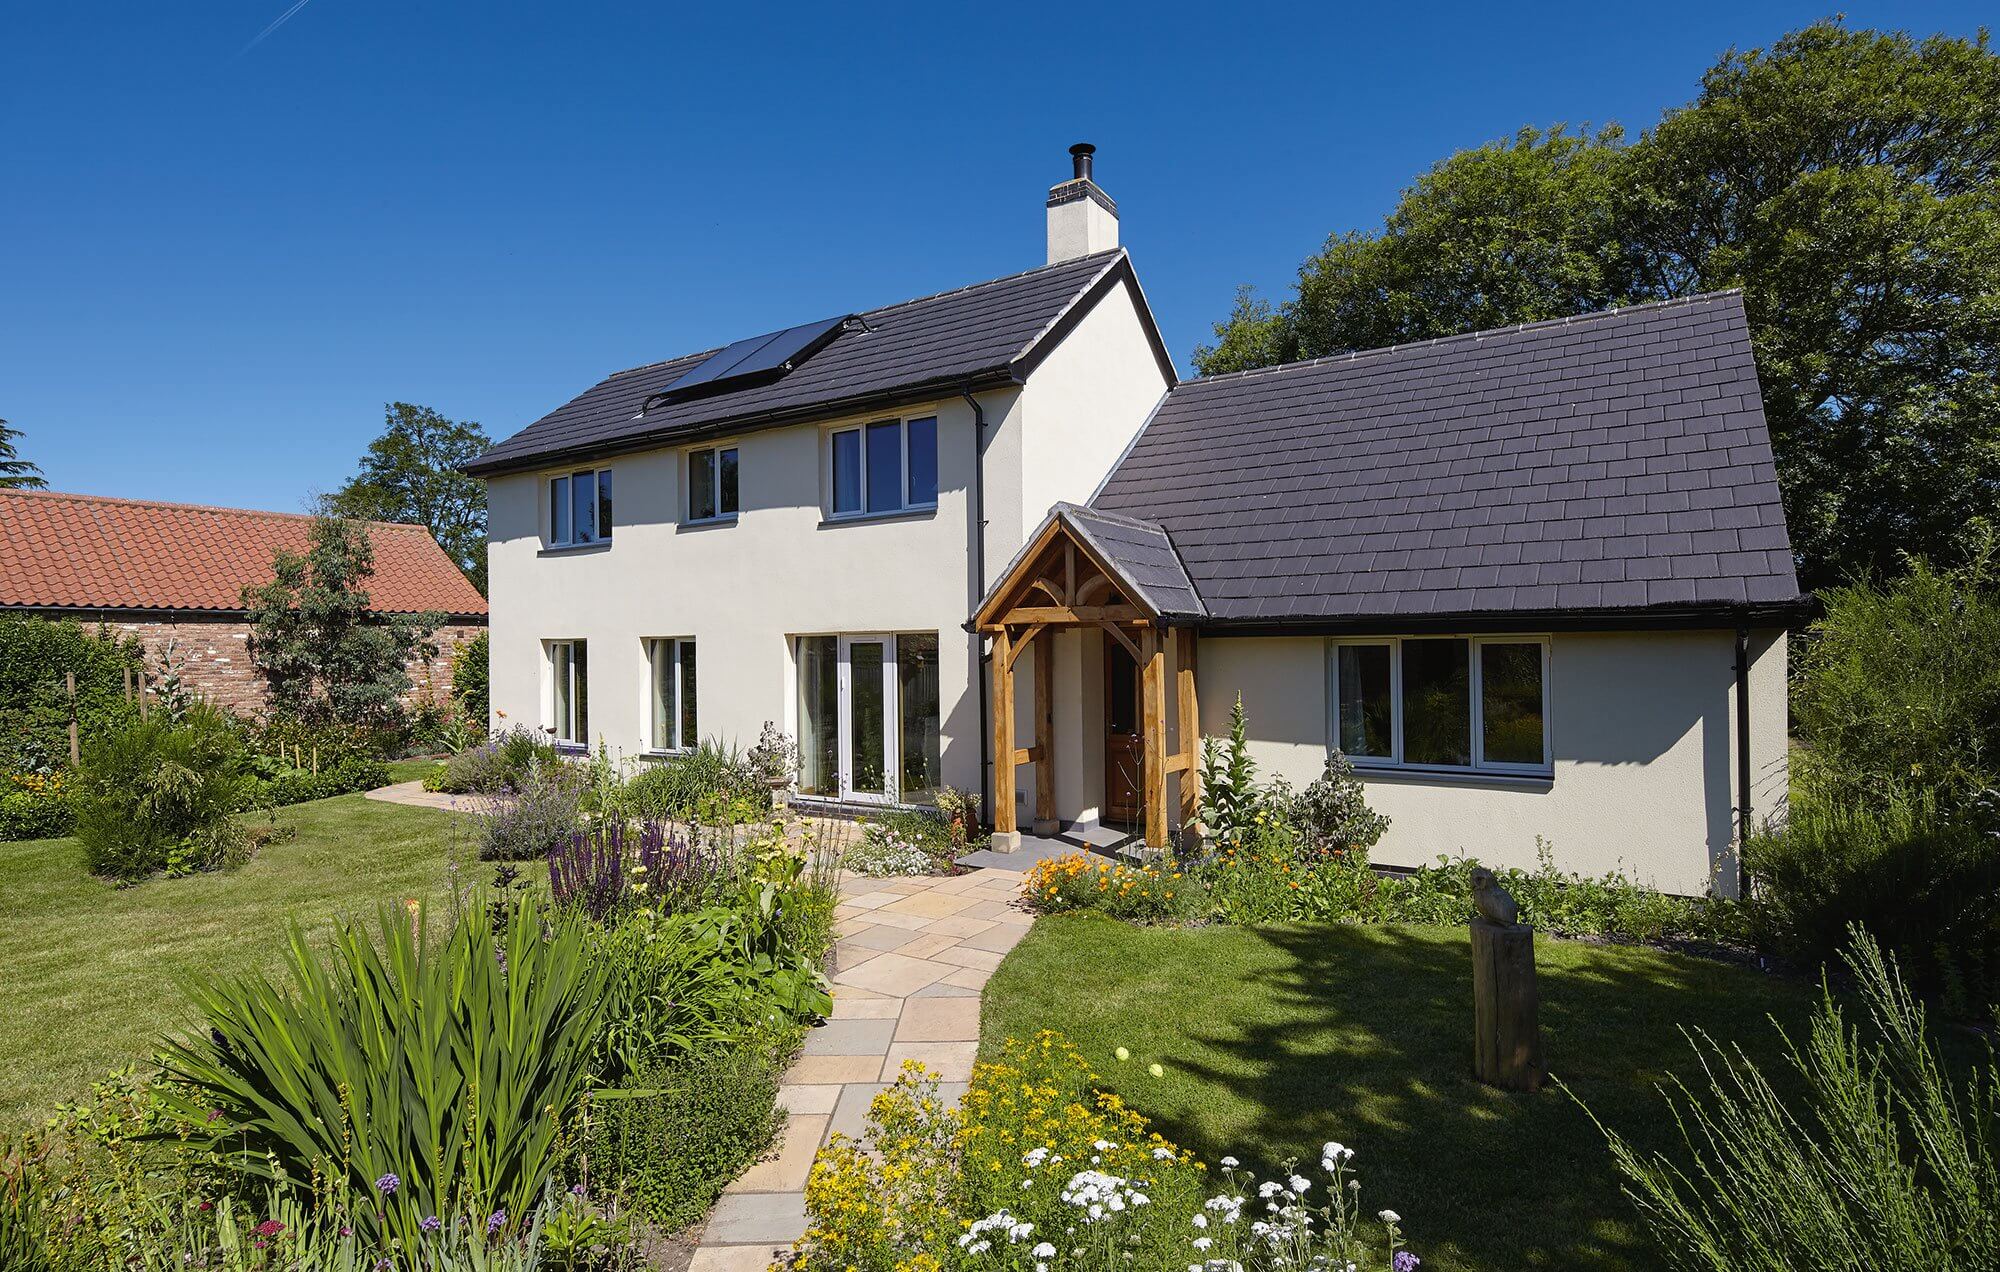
(580, 508)
(1443, 702)
(712, 483)
(569, 699)
(673, 694)
(887, 466)
(869, 717)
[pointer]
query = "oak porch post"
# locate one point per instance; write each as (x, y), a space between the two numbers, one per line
(1189, 712)
(1045, 732)
(1005, 834)
(1154, 716)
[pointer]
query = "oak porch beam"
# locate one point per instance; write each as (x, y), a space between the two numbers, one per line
(1074, 614)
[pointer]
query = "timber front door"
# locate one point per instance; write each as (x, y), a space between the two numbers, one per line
(1124, 749)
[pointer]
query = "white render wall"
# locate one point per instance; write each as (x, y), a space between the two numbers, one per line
(742, 590)
(1642, 726)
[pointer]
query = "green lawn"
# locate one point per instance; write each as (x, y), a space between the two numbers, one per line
(1276, 1040)
(93, 972)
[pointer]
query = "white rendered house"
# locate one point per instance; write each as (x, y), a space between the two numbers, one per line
(1533, 581)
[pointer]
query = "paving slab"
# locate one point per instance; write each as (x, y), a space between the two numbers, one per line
(930, 905)
(894, 974)
(850, 1038)
(998, 937)
(946, 1061)
(878, 937)
(821, 1070)
(944, 990)
(755, 1218)
(939, 1020)
(808, 1099)
(850, 1006)
(742, 1258)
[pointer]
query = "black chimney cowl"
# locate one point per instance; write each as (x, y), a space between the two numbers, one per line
(1079, 155)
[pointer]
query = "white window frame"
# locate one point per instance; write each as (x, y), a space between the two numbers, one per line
(1475, 677)
(564, 535)
(677, 743)
(564, 730)
(892, 714)
(715, 488)
(905, 503)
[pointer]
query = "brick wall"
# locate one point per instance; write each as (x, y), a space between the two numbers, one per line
(215, 660)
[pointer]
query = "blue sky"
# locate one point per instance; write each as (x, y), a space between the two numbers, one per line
(218, 258)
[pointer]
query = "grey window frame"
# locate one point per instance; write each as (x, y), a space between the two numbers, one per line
(1475, 688)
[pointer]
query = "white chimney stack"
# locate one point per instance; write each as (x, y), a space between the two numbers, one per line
(1082, 218)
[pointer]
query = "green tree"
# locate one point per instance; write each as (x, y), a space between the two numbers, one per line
(410, 474)
(16, 473)
(1845, 180)
(327, 658)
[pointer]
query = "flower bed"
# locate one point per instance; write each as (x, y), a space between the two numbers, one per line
(1037, 1167)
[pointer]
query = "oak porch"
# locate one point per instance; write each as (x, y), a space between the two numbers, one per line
(1061, 582)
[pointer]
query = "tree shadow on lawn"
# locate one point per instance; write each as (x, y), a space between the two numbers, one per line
(1363, 1035)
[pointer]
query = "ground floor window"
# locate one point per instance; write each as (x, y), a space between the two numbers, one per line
(869, 717)
(569, 698)
(672, 690)
(1443, 702)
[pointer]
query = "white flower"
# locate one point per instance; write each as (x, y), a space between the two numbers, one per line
(1300, 1183)
(1034, 1157)
(1203, 1243)
(1162, 1154)
(1027, 1184)
(1390, 1216)
(1229, 1163)
(1044, 1251)
(1200, 1221)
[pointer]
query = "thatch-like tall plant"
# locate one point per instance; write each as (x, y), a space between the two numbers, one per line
(1890, 1162)
(439, 1078)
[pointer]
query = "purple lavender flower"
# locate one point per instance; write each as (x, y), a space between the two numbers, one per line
(387, 1184)
(578, 1190)
(495, 1221)
(431, 1224)
(1405, 1262)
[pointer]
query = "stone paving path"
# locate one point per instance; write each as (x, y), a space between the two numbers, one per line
(414, 794)
(910, 960)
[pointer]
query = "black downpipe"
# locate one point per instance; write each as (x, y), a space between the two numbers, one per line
(978, 589)
(1742, 759)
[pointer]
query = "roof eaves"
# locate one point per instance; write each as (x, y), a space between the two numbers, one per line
(1117, 269)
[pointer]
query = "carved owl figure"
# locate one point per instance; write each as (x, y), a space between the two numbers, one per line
(1494, 903)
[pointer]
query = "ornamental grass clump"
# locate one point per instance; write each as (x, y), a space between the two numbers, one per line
(1038, 1168)
(1890, 1160)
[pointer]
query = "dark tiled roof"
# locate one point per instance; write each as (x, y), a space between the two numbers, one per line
(64, 551)
(983, 334)
(1141, 553)
(1616, 461)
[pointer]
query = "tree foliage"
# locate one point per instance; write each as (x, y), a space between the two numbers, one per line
(16, 473)
(35, 655)
(1845, 180)
(326, 656)
(410, 474)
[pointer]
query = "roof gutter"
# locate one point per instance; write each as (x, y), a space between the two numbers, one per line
(929, 390)
(1782, 614)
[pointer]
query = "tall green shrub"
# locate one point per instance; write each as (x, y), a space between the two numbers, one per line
(1888, 1162)
(326, 656)
(1229, 795)
(35, 653)
(1898, 686)
(472, 680)
(679, 1133)
(156, 795)
(437, 1076)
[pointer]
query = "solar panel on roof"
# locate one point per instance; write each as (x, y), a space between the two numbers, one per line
(756, 360)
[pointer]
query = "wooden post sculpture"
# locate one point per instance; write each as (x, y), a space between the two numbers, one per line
(1507, 1034)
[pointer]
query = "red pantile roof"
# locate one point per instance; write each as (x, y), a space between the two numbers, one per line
(90, 552)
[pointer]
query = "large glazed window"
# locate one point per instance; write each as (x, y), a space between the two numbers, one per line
(712, 484)
(1442, 703)
(580, 508)
(673, 694)
(869, 717)
(888, 466)
(569, 695)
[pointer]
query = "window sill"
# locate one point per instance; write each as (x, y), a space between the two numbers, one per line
(863, 518)
(572, 748)
(1454, 777)
(575, 549)
(655, 754)
(707, 523)
(849, 809)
